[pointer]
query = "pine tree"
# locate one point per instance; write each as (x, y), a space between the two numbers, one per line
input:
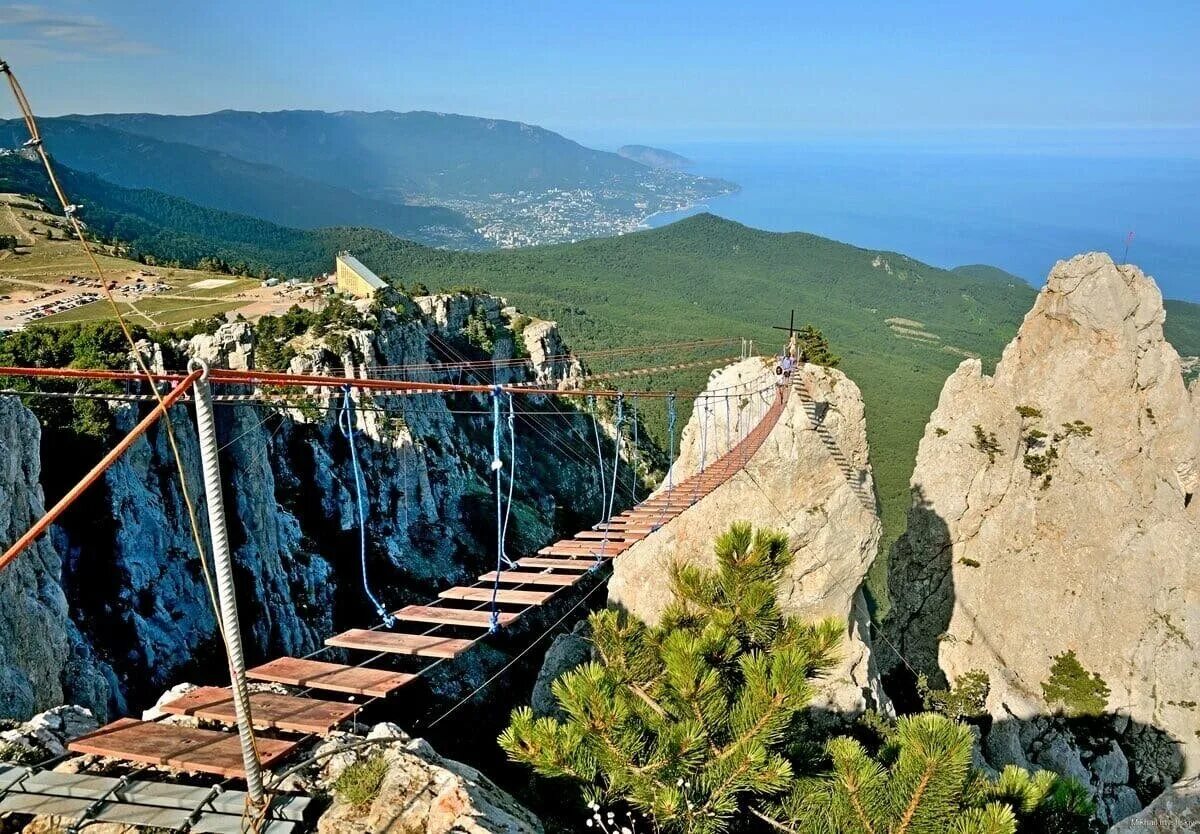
(814, 347)
(686, 720)
(921, 782)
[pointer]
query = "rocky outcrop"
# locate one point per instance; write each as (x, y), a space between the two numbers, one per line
(1053, 518)
(566, 652)
(419, 791)
(46, 734)
(130, 588)
(1177, 809)
(552, 363)
(794, 484)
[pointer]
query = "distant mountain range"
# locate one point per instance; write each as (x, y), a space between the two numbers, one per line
(440, 179)
(654, 157)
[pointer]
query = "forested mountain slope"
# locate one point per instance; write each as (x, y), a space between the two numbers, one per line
(433, 155)
(220, 181)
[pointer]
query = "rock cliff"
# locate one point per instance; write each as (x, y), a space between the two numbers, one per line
(809, 480)
(122, 583)
(40, 646)
(1052, 541)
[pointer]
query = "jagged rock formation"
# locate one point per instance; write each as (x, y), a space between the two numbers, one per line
(421, 791)
(793, 484)
(1053, 513)
(46, 734)
(130, 590)
(1177, 809)
(40, 648)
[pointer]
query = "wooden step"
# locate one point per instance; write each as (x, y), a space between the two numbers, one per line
(332, 677)
(420, 645)
(452, 616)
(180, 748)
(578, 565)
(485, 595)
(592, 547)
(609, 551)
(529, 577)
(268, 710)
(611, 535)
(637, 528)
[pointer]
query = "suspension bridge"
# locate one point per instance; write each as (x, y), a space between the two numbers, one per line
(243, 736)
(247, 742)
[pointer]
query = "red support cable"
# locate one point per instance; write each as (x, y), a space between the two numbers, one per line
(219, 376)
(99, 469)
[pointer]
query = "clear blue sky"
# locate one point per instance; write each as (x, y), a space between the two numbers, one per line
(607, 73)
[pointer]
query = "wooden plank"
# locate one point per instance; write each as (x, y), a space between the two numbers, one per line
(592, 549)
(529, 577)
(452, 616)
(268, 710)
(633, 526)
(485, 595)
(179, 748)
(609, 552)
(579, 565)
(611, 535)
(332, 677)
(419, 645)
(159, 794)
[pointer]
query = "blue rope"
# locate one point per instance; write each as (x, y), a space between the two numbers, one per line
(601, 475)
(497, 465)
(612, 495)
(670, 438)
(512, 479)
(727, 425)
(346, 424)
(633, 459)
(670, 456)
(703, 448)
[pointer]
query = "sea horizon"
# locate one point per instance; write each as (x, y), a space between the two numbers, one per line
(1019, 201)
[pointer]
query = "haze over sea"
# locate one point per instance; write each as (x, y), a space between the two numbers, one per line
(1019, 200)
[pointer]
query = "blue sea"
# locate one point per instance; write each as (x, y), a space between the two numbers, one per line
(1016, 200)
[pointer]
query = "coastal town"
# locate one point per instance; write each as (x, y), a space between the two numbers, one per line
(566, 215)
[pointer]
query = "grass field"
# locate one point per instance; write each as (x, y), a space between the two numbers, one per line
(45, 261)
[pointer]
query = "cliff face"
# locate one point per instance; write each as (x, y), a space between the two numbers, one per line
(130, 590)
(1053, 514)
(42, 654)
(807, 480)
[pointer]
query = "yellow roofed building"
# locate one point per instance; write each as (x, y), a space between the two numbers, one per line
(354, 278)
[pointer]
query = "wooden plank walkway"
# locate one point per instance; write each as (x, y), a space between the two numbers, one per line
(420, 645)
(534, 582)
(179, 748)
(268, 709)
(452, 616)
(332, 677)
